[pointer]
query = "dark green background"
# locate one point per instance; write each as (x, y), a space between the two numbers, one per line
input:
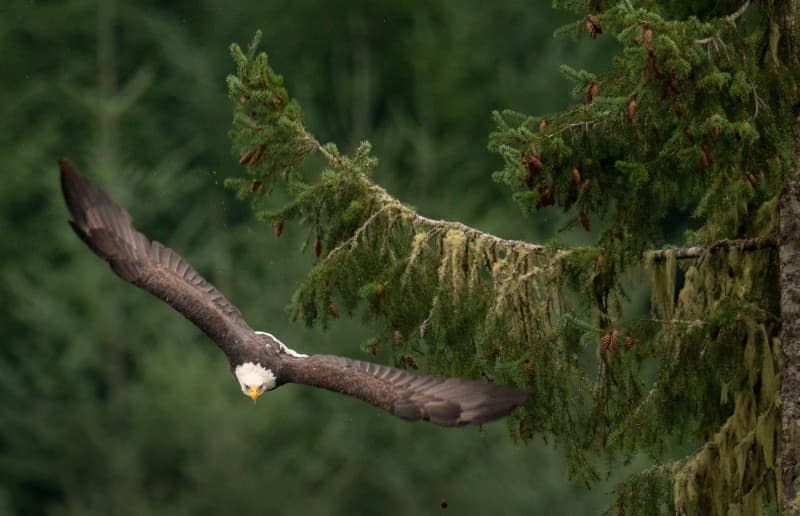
(110, 402)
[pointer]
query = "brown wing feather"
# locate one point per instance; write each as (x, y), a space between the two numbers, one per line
(107, 229)
(444, 401)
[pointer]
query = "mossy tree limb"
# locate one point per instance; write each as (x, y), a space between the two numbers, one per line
(689, 121)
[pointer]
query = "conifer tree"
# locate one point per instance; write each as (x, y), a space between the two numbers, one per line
(680, 161)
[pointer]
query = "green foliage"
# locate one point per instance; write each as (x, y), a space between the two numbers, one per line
(689, 123)
(688, 117)
(266, 124)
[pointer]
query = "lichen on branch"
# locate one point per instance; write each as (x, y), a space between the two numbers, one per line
(681, 124)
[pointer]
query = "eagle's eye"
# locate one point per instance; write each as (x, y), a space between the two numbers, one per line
(253, 392)
(249, 389)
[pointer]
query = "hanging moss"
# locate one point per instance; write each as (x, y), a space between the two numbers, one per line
(662, 275)
(687, 120)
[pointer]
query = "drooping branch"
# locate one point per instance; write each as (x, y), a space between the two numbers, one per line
(682, 253)
(276, 147)
(391, 203)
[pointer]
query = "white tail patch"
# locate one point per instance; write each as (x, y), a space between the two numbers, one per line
(286, 349)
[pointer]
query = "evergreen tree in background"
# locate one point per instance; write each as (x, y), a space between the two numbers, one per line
(689, 140)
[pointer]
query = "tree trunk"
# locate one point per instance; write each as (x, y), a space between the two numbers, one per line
(787, 16)
(789, 252)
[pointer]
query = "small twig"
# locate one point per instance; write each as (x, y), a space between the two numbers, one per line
(757, 100)
(681, 253)
(739, 12)
(690, 322)
(585, 124)
(322, 150)
(731, 18)
(352, 240)
(714, 42)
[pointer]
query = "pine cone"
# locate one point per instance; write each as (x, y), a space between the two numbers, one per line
(614, 344)
(632, 108)
(706, 158)
(333, 310)
(647, 38)
(585, 222)
(576, 176)
(252, 157)
(546, 197)
(593, 26)
(410, 362)
(592, 90)
(605, 342)
(542, 125)
(533, 165)
(531, 370)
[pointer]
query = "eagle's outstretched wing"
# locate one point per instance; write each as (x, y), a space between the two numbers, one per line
(107, 229)
(444, 401)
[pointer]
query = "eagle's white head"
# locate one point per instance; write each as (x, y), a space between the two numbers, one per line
(254, 379)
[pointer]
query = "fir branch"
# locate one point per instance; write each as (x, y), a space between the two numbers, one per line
(682, 253)
(446, 225)
(390, 202)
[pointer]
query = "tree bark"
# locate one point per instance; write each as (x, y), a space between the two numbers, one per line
(786, 18)
(789, 256)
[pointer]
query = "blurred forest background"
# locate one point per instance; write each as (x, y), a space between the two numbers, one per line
(110, 402)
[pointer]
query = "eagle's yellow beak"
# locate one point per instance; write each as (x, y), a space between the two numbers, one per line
(254, 393)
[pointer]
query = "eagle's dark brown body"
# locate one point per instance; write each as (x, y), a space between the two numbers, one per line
(107, 229)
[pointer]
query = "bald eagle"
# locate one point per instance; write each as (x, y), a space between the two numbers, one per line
(258, 360)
